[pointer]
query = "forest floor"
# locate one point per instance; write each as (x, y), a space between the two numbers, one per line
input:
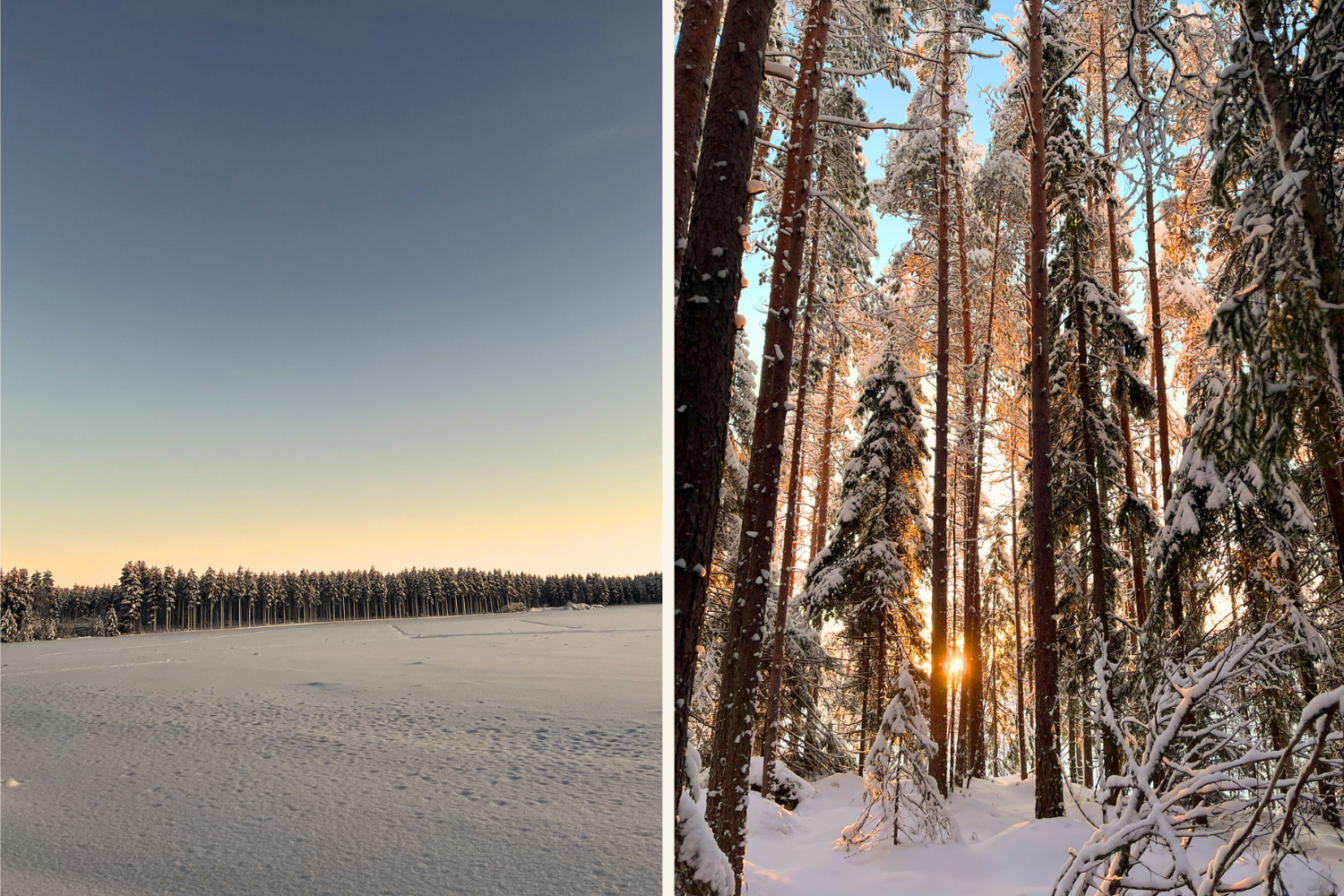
(502, 754)
(1004, 850)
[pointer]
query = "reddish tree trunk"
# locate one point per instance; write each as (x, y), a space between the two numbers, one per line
(1017, 624)
(734, 721)
(1049, 785)
(690, 86)
(974, 649)
(704, 333)
(824, 464)
(972, 688)
(1160, 380)
(1321, 248)
(1133, 536)
(770, 737)
(938, 635)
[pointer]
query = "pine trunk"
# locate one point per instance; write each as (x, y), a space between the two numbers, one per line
(1017, 619)
(1160, 381)
(823, 499)
(705, 332)
(770, 739)
(938, 671)
(731, 755)
(1049, 785)
(1333, 483)
(1134, 537)
(1321, 249)
(973, 684)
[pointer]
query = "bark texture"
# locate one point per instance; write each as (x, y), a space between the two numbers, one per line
(1049, 784)
(740, 674)
(709, 284)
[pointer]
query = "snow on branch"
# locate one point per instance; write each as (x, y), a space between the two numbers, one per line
(848, 224)
(879, 125)
(1200, 788)
(900, 796)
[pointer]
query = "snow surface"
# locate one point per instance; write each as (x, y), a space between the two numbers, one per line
(1003, 851)
(493, 754)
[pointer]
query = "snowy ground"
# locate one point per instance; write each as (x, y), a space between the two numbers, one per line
(1004, 850)
(500, 754)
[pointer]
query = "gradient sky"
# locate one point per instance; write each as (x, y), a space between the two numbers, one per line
(330, 285)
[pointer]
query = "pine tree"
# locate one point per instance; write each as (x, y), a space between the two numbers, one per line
(130, 597)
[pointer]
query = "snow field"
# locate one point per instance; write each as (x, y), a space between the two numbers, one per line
(509, 754)
(1004, 850)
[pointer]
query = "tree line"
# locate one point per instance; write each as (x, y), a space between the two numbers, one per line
(150, 598)
(1087, 419)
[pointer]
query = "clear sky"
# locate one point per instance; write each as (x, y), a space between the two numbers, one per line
(330, 285)
(883, 101)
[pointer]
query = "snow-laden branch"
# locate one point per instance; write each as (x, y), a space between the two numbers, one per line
(879, 125)
(844, 220)
(1196, 776)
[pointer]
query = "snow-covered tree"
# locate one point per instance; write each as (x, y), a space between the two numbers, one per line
(900, 796)
(130, 597)
(867, 577)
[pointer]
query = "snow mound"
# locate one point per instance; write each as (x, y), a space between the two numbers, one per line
(791, 787)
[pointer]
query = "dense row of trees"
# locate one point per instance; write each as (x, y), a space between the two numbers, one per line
(150, 598)
(1086, 420)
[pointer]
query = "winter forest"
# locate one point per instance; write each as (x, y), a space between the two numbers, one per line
(147, 598)
(1048, 492)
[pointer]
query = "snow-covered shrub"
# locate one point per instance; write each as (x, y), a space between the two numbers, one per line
(1200, 788)
(900, 796)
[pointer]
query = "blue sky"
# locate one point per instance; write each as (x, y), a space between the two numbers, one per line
(885, 101)
(330, 284)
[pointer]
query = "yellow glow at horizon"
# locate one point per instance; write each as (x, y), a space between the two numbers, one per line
(594, 539)
(955, 665)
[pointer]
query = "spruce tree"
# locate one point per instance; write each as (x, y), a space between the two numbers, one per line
(130, 597)
(868, 575)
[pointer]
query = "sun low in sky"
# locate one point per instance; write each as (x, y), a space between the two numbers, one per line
(330, 285)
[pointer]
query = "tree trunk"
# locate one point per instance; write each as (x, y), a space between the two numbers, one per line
(938, 635)
(973, 687)
(1321, 249)
(770, 738)
(1017, 621)
(823, 500)
(705, 329)
(1049, 786)
(1160, 377)
(731, 755)
(1147, 132)
(1324, 446)
(863, 716)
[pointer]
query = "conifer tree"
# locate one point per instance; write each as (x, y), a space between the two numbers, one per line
(130, 596)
